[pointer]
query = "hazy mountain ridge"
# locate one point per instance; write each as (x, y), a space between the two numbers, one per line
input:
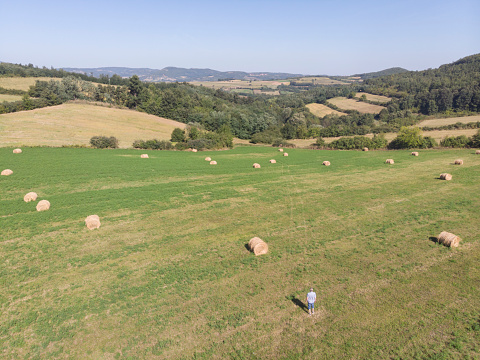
(172, 74)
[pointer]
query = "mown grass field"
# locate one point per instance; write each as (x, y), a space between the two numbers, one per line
(449, 121)
(76, 123)
(22, 83)
(168, 275)
(350, 104)
(321, 110)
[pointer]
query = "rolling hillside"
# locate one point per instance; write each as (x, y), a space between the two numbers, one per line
(76, 123)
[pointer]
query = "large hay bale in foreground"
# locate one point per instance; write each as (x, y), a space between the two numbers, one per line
(208, 158)
(31, 196)
(92, 222)
(389, 161)
(144, 156)
(445, 176)
(281, 150)
(256, 166)
(459, 162)
(285, 154)
(477, 152)
(326, 163)
(7, 172)
(415, 153)
(273, 161)
(258, 246)
(448, 239)
(365, 149)
(17, 151)
(43, 205)
(213, 162)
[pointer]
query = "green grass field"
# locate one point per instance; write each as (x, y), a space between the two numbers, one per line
(168, 275)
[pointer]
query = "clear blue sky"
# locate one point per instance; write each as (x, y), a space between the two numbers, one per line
(303, 36)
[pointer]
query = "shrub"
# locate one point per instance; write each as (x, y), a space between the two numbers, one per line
(359, 142)
(153, 144)
(282, 143)
(181, 146)
(266, 137)
(103, 142)
(178, 135)
(455, 142)
(200, 144)
(475, 140)
(407, 138)
(320, 142)
(428, 142)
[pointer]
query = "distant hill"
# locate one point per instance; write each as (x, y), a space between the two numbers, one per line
(172, 74)
(372, 75)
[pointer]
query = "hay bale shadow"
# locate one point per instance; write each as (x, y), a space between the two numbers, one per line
(434, 239)
(298, 303)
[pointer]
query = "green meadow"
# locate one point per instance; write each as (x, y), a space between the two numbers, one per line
(168, 274)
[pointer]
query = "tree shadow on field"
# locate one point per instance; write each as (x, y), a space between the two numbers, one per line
(298, 302)
(433, 238)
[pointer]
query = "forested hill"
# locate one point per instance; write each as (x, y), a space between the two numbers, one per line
(372, 75)
(173, 74)
(454, 86)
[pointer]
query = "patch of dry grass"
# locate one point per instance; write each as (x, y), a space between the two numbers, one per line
(372, 97)
(449, 121)
(351, 104)
(75, 124)
(22, 83)
(319, 80)
(322, 110)
(9, 98)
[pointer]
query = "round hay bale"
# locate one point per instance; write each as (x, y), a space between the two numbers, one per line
(7, 172)
(445, 176)
(17, 151)
(213, 162)
(256, 166)
(31, 196)
(285, 154)
(477, 152)
(281, 150)
(92, 222)
(273, 161)
(389, 161)
(365, 149)
(459, 162)
(258, 246)
(326, 163)
(43, 205)
(194, 150)
(415, 153)
(208, 158)
(448, 239)
(144, 156)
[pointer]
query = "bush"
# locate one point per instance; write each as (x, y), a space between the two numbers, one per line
(359, 142)
(200, 144)
(320, 142)
(181, 146)
(428, 142)
(407, 138)
(103, 142)
(455, 142)
(178, 135)
(153, 144)
(282, 143)
(475, 140)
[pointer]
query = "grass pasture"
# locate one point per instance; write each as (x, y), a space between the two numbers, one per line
(321, 110)
(168, 276)
(76, 123)
(22, 83)
(350, 104)
(319, 80)
(241, 84)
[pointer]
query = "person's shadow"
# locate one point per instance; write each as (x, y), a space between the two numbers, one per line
(298, 302)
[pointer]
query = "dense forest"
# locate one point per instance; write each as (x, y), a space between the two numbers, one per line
(450, 90)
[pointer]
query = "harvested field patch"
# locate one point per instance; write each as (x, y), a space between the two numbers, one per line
(75, 124)
(9, 98)
(373, 97)
(350, 104)
(449, 121)
(22, 83)
(321, 110)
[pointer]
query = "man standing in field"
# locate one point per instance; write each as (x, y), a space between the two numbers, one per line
(311, 298)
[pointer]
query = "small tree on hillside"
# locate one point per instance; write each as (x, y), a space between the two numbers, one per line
(178, 135)
(407, 138)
